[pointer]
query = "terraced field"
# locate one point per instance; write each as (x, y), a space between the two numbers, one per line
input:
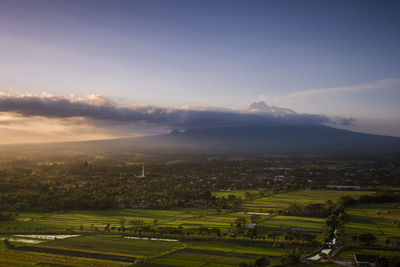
(89, 220)
(184, 217)
(260, 249)
(282, 201)
(116, 245)
(223, 253)
(377, 219)
(349, 253)
(21, 259)
(203, 258)
(381, 220)
(294, 221)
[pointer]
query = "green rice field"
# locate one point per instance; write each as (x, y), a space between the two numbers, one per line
(282, 201)
(381, 220)
(293, 221)
(349, 253)
(378, 219)
(114, 244)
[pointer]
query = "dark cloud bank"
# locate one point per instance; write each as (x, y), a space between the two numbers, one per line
(258, 128)
(105, 112)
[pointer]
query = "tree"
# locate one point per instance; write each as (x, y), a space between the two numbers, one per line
(367, 239)
(6, 217)
(8, 245)
(255, 218)
(394, 260)
(307, 237)
(288, 260)
(239, 222)
(262, 261)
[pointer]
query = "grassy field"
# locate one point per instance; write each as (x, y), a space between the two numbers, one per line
(224, 246)
(184, 217)
(20, 259)
(89, 220)
(116, 245)
(381, 220)
(377, 219)
(349, 253)
(217, 253)
(199, 258)
(282, 201)
(196, 253)
(294, 221)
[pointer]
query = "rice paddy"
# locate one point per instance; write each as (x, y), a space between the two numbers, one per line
(85, 231)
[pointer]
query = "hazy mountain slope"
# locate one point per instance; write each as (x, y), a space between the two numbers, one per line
(300, 138)
(265, 139)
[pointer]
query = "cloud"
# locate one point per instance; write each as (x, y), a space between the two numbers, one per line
(378, 85)
(343, 121)
(347, 121)
(102, 112)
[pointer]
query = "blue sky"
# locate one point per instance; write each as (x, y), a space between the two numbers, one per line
(210, 53)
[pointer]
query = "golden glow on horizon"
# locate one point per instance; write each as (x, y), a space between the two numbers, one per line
(17, 129)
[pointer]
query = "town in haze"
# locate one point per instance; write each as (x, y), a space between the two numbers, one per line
(199, 133)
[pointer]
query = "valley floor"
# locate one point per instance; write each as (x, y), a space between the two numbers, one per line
(191, 236)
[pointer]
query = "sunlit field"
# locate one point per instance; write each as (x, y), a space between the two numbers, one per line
(382, 220)
(94, 238)
(281, 201)
(184, 217)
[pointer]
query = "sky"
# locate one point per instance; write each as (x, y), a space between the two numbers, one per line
(332, 60)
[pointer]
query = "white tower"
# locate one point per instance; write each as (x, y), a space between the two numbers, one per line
(143, 172)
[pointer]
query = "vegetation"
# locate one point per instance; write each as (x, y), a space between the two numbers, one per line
(190, 211)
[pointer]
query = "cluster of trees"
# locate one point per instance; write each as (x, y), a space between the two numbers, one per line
(262, 233)
(261, 261)
(291, 258)
(366, 239)
(380, 197)
(299, 236)
(309, 210)
(6, 217)
(8, 245)
(334, 225)
(231, 202)
(383, 197)
(394, 261)
(102, 194)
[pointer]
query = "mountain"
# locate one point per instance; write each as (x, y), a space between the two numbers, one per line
(283, 138)
(258, 128)
(253, 139)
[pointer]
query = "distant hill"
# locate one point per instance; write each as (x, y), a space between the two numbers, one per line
(263, 128)
(264, 139)
(283, 138)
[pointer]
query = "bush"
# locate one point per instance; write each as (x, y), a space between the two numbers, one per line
(8, 245)
(6, 217)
